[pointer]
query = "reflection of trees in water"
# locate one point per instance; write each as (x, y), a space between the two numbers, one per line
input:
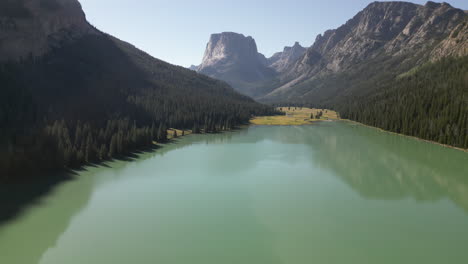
(385, 166)
(377, 165)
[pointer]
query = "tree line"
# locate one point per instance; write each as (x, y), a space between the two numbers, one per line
(90, 102)
(430, 103)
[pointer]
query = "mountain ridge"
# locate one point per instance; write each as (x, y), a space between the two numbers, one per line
(282, 60)
(382, 29)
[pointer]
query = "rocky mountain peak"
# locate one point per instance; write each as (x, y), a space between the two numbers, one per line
(193, 67)
(32, 27)
(392, 28)
(234, 58)
(383, 31)
(229, 47)
(282, 60)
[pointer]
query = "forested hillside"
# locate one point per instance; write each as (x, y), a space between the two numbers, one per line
(430, 102)
(96, 98)
(395, 65)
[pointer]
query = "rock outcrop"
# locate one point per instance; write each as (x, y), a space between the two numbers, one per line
(456, 44)
(381, 30)
(281, 61)
(234, 58)
(194, 67)
(33, 27)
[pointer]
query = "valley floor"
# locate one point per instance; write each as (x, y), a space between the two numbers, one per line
(295, 116)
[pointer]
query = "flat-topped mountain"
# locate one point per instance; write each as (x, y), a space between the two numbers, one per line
(235, 59)
(281, 61)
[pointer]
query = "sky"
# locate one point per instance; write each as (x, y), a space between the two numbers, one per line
(177, 31)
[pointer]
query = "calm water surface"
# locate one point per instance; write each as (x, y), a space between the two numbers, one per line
(333, 192)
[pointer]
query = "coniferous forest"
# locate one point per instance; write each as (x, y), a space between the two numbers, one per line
(430, 102)
(101, 98)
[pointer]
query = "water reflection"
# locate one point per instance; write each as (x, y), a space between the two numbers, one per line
(378, 166)
(382, 165)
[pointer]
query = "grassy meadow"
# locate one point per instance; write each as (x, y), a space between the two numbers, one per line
(295, 116)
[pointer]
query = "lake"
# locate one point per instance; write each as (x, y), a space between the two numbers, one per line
(331, 192)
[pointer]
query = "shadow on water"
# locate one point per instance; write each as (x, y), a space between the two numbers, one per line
(377, 165)
(374, 164)
(15, 197)
(26, 237)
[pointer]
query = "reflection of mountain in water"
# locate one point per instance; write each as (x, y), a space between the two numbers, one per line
(376, 165)
(381, 165)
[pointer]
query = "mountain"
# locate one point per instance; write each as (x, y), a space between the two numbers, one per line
(383, 33)
(454, 45)
(398, 66)
(281, 61)
(395, 65)
(193, 67)
(71, 94)
(33, 28)
(234, 58)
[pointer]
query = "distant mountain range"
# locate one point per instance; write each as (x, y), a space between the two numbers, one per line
(382, 31)
(358, 68)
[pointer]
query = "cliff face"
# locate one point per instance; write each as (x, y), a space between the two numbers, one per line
(280, 61)
(34, 27)
(382, 29)
(234, 58)
(456, 44)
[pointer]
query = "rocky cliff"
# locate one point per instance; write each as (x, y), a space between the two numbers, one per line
(382, 31)
(235, 59)
(281, 61)
(34, 27)
(456, 44)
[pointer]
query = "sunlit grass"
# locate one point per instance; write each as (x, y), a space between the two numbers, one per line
(295, 116)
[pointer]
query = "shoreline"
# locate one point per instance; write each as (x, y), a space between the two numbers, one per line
(295, 116)
(408, 136)
(328, 118)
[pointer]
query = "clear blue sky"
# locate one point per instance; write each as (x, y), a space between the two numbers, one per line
(177, 30)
